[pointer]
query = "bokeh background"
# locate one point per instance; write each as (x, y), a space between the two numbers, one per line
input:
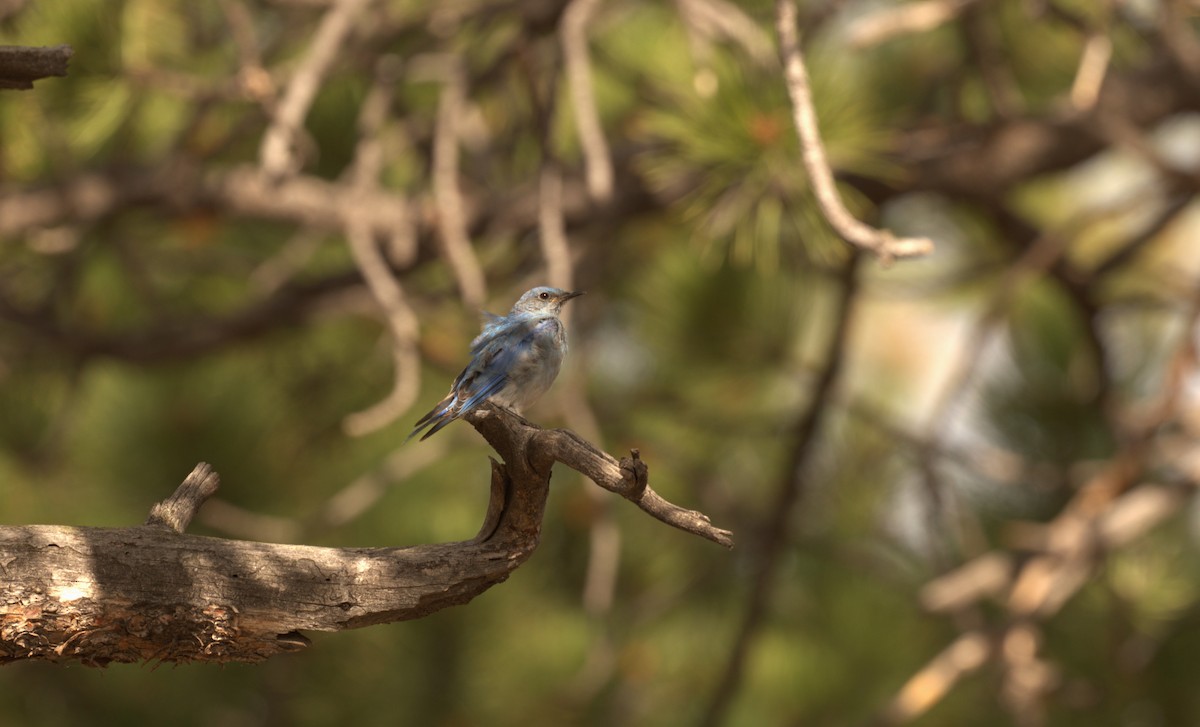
(961, 485)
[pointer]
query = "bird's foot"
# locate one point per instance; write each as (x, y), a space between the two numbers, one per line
(514, 414)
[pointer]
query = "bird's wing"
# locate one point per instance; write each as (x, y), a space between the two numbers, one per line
(493, 353)
(493, 325)
(485, 375)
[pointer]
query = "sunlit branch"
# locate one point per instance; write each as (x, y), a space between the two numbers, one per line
(597, 161)
(452, 224)
(888, 22)
(387, 290)
(880, 242)
(278, 152)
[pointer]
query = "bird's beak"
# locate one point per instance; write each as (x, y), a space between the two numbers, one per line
(569, 296)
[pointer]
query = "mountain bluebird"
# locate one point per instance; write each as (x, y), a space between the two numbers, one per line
(513, 360)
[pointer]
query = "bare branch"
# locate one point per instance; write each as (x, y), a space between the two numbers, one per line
(604, 539)
(401, 319)
(988, 575)
(404, 327)
(986, 161)
(270, 274)
(1093, 65)
(277, 154)
(793, 480)
(243, 190)
(894, 21)
(721, 19)
(985, 51)
(102, 595)
(21, 66)
(597, 159)
(927, 687)
(553, 231)
(1179, 36)
(356, 498)
(340, 509)
(1107, 512)
(452, 222)
(880, 242)
(238, 522)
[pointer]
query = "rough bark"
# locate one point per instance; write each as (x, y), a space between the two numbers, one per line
(21, 66)
(153, 593)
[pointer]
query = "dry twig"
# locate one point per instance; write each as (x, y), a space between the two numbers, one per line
(573, 35)
(880, 242)
(452, 222)
(277, 154)
(894, 21)
(934, 680)
(720, 19)
(401, 319)
(404, 327)
(1093, 65)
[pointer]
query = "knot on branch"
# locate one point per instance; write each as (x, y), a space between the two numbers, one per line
(636, 475)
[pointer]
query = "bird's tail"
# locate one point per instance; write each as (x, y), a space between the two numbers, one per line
(439, 416)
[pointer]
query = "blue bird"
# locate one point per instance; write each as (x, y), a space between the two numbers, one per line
(513, 360)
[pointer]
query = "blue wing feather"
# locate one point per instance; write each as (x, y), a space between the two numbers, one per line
(494, 351)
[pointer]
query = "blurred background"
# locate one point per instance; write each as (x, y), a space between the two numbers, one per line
(257, 233)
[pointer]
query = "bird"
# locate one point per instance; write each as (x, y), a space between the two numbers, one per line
(514, 360)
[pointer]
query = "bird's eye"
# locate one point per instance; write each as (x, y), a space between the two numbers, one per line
(544, 296)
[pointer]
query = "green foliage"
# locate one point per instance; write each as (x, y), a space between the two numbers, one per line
(734, 157)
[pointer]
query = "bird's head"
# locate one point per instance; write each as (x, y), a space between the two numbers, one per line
(543, 300)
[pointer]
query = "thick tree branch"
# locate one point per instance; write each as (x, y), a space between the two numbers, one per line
(21, 66)
(152, 593)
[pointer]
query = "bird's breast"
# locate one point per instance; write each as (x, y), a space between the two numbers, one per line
(535, 365)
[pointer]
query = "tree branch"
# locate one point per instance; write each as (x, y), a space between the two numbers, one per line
(627, 477)
(152, 593)
(597, 159)
(177, 511)
(447, 191)
(21, 66)
(277, 154)
(881, 242)
(778, 525)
